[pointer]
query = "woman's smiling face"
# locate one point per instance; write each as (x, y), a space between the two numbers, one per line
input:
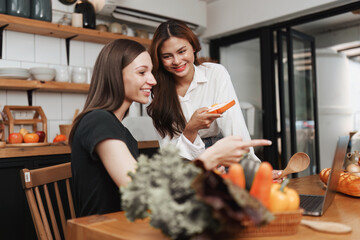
(177, 56)
(138, 79)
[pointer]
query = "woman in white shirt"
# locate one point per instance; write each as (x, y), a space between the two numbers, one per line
(186, 89)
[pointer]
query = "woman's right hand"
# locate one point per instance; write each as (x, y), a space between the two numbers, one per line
(229, 150)
(200, 119)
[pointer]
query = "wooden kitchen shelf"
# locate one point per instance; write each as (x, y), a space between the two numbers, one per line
(26, 25)
(51, 86)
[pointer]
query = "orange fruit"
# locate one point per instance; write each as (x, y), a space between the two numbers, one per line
(15, 138)
(23, 131)
(31, 138)
(60, 138)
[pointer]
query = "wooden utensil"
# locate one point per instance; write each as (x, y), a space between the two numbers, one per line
(330, 227)
(297, 163)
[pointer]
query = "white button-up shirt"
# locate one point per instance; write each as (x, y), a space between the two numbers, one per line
(211, 84)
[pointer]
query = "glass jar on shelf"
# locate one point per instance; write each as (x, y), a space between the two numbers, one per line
(20, 8)
(65, 20)
(41, 10)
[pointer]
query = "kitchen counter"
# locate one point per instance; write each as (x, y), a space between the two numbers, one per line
(55, 149)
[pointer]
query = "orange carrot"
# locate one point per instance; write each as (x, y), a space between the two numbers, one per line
(261, 185)
(225, 176)
(236, 174)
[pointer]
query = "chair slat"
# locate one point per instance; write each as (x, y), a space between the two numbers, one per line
(43, 214)
(39, 227)
(71, 203)
(60, 208)
(51, 213)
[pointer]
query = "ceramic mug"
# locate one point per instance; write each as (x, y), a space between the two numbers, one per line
(130, 32)
(102, 28)
(79, 75)
(77, 20)
(89, 75)
(141, 33)
(62, 74)
(116, 27)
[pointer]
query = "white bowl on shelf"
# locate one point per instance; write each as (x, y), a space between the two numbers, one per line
(43, 73)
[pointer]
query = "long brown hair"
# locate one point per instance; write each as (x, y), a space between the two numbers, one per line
(107, 89)
(165, 108)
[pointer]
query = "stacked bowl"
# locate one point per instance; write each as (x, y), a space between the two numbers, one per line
(43, 73)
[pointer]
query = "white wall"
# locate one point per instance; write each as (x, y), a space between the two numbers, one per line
(228, 16)
(354, 81)
(339, 36)
(30, 50)
(242, 60)
(334, 103)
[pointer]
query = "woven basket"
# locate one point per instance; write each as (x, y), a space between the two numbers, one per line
(286, 223)
(65, 129)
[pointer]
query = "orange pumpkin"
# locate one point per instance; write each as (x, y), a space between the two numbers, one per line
(31, 138)
(60, 138)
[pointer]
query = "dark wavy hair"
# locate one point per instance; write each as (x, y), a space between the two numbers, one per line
(165, 109)
(107, 89)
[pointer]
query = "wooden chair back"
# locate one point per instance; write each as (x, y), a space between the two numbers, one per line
(36, 184)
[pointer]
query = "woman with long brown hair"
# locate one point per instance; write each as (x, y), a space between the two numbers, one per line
(185, 90)
(103, 151)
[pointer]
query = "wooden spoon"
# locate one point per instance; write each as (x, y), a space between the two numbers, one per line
(330, 227)
(297, 163)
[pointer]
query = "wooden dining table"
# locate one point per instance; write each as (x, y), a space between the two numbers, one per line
(344, 209)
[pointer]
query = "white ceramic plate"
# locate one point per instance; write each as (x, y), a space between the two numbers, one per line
(15, 75)
(14, 70)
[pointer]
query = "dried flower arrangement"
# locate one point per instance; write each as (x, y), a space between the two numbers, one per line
(184, 200)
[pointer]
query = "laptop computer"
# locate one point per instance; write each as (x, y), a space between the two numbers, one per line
(316, 205)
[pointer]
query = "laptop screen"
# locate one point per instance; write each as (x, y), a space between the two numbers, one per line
(336, 169)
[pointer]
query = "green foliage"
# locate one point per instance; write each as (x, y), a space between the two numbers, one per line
(161, 189)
